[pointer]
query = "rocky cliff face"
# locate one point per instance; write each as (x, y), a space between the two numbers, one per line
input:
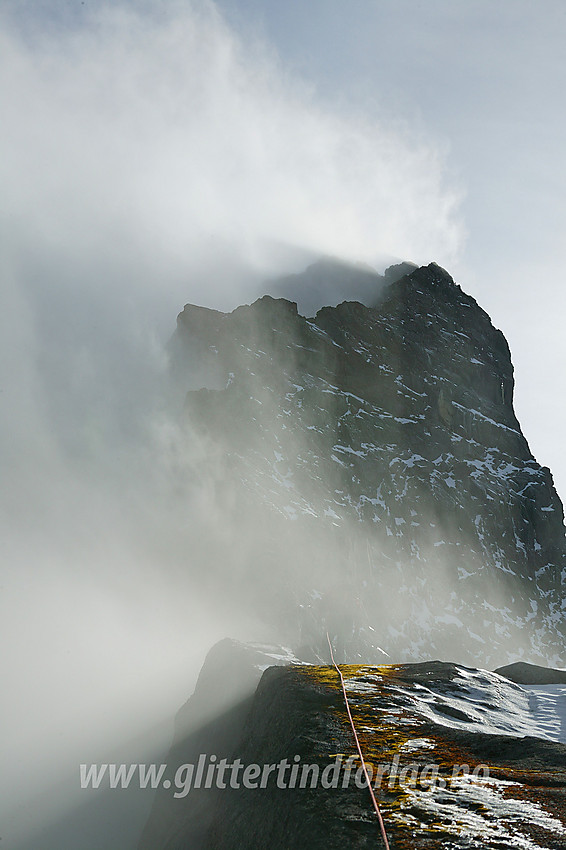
(371, 460)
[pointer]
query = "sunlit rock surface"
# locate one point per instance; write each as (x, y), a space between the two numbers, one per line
(499, 766)
(370, 466)
(458, 757)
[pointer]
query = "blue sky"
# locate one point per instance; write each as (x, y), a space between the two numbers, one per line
(486, 81)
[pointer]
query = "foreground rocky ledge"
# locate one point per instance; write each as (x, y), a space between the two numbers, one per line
(460, 757)
(494, 785)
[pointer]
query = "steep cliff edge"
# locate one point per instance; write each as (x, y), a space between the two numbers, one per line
(372, 460)
(210, 723)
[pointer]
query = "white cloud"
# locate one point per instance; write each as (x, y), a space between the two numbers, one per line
(148, 158)
(140, 142)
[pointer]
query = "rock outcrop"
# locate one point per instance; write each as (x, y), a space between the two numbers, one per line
(532, 674)
(457, 759)
(372, 462)
(210, 723)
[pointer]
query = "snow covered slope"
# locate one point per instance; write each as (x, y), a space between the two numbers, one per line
(547, 706)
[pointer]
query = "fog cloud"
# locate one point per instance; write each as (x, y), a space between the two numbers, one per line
(149, 158)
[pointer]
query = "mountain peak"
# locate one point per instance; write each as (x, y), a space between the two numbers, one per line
(379, 444)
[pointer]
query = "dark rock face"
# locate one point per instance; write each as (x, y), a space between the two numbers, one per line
(531, 674)
(371, 455)
(210, 723)
(497, 785)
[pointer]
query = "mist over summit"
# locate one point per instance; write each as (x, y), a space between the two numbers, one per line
(328, 281)
(379, 445)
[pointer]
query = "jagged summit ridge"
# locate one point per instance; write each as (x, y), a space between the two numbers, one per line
(386, 433)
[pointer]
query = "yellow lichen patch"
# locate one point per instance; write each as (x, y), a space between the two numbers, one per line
(381, 733)
(511, 806)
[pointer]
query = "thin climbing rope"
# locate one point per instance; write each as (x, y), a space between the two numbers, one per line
(357, 740)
